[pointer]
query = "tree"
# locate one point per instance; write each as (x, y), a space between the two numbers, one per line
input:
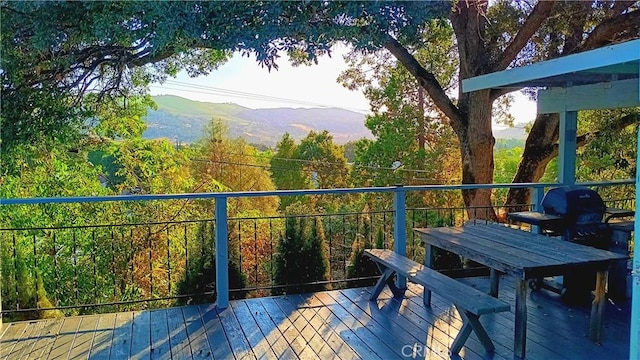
(323, 160)
(199, 278)
(301, 261)
(287, 170)
(100, 44)
(492, 38)
(223, 164)
(57, 53)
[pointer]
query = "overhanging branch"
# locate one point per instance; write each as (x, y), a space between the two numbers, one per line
(426, 79)
(538, 15)
(617, 29)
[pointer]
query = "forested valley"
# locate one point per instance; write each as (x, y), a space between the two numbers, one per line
(75, 79)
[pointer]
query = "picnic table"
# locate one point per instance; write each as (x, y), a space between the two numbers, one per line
(523, 256)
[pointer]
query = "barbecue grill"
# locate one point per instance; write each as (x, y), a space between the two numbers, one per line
(575, 213)
(582, 210)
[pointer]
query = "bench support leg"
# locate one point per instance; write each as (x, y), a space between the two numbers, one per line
(386, 279)
(470, 322)
(494, 282)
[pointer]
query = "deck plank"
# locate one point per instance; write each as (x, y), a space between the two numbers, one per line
(254, 334)
(141, 335)
(235, 335)
(8, 341)
(282, 320)
(64, 339)
(333, 342)
(45, 339)
(346, 329)
(317, 345)
(444, 324)
(341, 324)
(103, 337)
(179, 342)
(568, 323)
(27, 340)
(376, 337)
(392, 321)
(215, 333)
(84, 337)
(122, 332)
(160, 348)
(196, 333)
(270, 330)
(291, 325)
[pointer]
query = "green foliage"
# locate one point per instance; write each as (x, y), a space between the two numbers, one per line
(223, 164)
(506, 166)
(287, 171)
(611, 153)
(57, 53)
(411, 143)
(301, 257)
(361, 266)
(20, 286)
(199, 278)
(324, 160)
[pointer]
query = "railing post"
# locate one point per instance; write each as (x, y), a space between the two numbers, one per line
(634, 343)
(1, 297)
(536, 196)
(222, 253)
(399, 227)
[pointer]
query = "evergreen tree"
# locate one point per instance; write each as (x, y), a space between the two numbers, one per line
(361, 266)
(200, 277)
(302, 258)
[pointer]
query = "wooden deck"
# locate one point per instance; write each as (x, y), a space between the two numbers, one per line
(327, 325)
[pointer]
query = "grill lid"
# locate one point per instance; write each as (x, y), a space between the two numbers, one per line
(574, 202)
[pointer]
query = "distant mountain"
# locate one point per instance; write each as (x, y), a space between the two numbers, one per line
(182, 120)
(510, 133)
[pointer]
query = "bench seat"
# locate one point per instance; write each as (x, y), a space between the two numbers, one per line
(470, 302)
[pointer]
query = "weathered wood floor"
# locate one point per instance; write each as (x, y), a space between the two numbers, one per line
(326, 325)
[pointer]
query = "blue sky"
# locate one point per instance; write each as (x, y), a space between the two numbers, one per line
(242, 81)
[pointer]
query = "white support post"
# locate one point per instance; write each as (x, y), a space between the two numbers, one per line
(634, 343)
(536, 196)
(399, 230)
(567, 151)
(222, 253)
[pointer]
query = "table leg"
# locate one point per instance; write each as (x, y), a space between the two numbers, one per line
(520, 331)
(428, 262)
(494, 282)
(597, 308)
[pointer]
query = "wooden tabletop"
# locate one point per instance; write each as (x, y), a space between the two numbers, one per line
(518, 253)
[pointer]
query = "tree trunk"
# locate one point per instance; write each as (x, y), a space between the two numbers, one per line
(539, 149)
(476, 151)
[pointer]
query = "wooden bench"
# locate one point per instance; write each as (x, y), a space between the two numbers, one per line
(470, 302)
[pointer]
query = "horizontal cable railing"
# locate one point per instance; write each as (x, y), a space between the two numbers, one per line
(88, 268)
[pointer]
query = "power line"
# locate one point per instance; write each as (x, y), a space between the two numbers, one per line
(203, 89)
(328, 163)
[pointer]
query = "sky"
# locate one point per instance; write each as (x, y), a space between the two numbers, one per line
(242, 81)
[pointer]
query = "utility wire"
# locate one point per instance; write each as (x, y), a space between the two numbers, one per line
(203, 89)
(323, 162)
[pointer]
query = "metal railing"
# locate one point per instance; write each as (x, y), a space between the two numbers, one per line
(76, 269)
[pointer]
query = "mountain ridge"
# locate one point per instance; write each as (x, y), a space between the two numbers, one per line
(185, 121)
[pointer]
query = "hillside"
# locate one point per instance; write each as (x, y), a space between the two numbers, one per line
(185, 121)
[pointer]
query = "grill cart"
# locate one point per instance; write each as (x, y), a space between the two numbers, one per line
(577, 214)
